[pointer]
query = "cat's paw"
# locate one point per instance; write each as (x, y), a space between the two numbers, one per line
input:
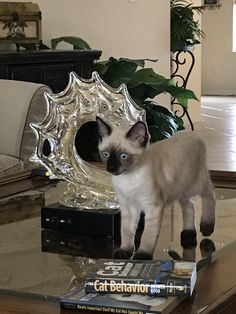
(207, 229)
(188, 239)
(207, 246)
(142, 255)
(123, 254)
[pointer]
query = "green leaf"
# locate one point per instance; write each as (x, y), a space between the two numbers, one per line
(101, 67)
(162, 123)
(77, 42)
(144, 84)
(119, 72)
(141, 93)
(139, 62)
(145, 76)
(182, 101)
(178, 92)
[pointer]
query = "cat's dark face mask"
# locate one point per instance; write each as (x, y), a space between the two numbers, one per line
(119, 161)
(116, 158)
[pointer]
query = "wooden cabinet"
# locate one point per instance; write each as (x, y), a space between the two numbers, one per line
(50, 67)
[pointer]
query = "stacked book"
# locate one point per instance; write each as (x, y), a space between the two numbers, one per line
(133, 287)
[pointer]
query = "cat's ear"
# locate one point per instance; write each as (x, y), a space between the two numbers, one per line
(138, 133)
(103, 128)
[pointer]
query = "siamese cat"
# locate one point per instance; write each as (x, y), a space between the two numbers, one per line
(146, 178)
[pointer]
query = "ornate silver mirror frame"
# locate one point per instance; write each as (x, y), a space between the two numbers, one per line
(89, 187)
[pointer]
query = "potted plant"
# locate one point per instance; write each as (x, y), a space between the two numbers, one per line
(185, 30)
(143, 85)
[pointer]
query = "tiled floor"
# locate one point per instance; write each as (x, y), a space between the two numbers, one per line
(218, 129)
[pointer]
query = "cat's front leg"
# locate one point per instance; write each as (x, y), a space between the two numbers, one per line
(153, 218)
(129, 221)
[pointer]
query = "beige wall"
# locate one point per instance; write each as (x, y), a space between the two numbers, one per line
(124, 28)
(218, 60)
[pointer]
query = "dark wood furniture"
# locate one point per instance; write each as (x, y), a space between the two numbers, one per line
(215, 289)
(50, 67)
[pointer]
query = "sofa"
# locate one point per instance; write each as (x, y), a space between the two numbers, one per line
(21, 103)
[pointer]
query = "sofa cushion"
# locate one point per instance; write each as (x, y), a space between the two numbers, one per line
(16, 98)
(9, 165)
(36, 114)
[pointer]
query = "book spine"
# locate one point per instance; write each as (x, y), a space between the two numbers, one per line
(68, 305)
(100, 308)
(137, 287)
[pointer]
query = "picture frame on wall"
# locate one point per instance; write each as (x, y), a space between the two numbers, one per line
(210, 2)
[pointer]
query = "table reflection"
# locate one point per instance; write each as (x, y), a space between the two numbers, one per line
(44, 263)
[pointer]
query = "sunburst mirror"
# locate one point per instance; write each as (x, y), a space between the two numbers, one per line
(89, 187)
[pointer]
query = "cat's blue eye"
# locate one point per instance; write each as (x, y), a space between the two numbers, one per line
(106, 154)
(124, 156)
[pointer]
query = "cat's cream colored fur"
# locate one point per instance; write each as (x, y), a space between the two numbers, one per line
(169, 170)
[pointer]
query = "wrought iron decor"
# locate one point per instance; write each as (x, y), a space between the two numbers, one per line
(179, 60)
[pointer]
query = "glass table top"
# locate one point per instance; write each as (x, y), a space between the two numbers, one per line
(45, 264)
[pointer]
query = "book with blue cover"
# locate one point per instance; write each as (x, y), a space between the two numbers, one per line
(152, 278)
(77, 299)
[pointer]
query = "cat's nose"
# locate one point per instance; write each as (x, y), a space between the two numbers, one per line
(111, 169)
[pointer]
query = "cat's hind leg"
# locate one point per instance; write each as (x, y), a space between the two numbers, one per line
(207, 222)
(188, 234)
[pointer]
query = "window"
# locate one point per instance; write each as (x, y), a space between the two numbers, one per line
(234, 27)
